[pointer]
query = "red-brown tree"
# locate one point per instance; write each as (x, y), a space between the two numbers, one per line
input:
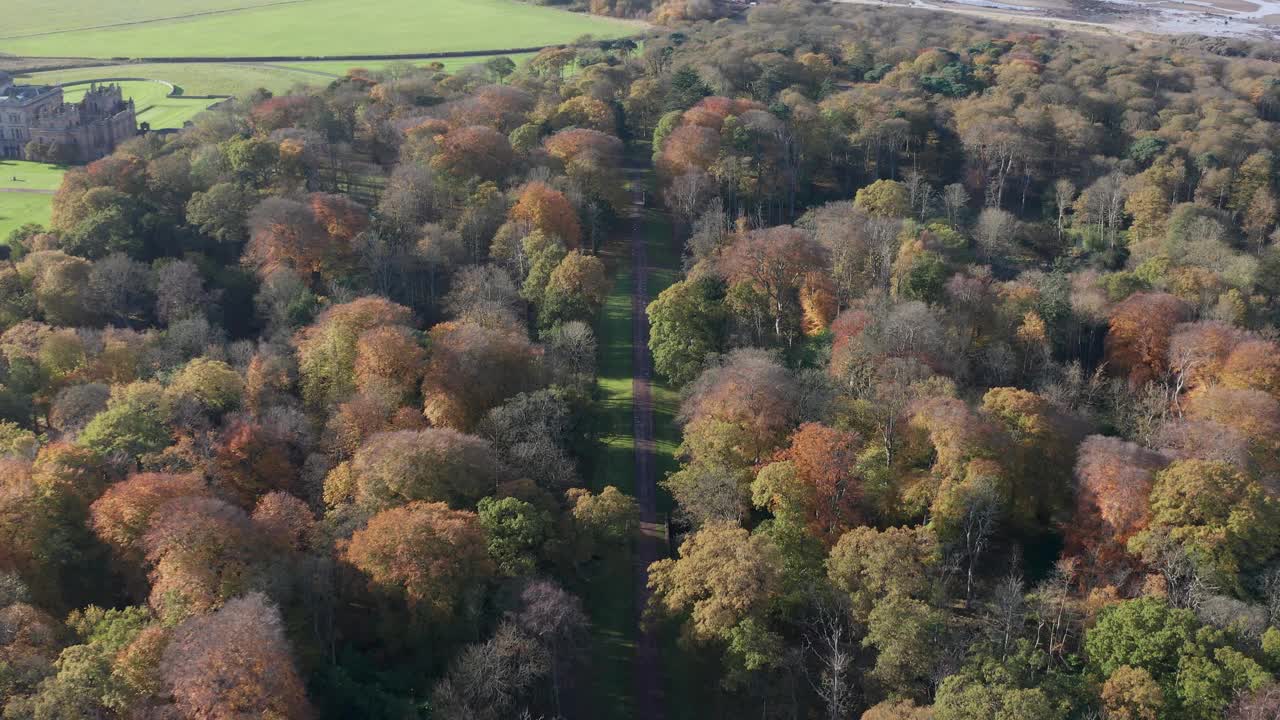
(1139, 332)
(541, 207)
(472, 369)
(435, 556)
(234, 663)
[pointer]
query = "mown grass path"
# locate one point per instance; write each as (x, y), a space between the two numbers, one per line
(606, 588)
(648, 674)
(637, 437)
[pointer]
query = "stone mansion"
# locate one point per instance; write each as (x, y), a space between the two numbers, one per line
(37, 124)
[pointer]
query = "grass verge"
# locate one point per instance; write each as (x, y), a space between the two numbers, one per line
(664, 269)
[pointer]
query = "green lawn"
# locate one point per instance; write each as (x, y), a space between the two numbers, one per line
(152, 102)
(192, 78)
(27, 17)
(310, 27)
(30, 175)
(218, 79)
(616, 467)
(17, 209)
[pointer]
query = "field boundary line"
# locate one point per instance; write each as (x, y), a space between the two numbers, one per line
(286, 68)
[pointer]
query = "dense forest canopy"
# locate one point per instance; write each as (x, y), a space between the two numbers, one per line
(976, 338)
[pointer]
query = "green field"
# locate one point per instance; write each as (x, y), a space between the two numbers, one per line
(163, 28)
(152, 102)
(27, 17)
(340, 67)
(193, 78)
(219, 79)
(30, 176)
(19, 208)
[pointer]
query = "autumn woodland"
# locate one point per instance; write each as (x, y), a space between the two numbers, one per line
(972, 330)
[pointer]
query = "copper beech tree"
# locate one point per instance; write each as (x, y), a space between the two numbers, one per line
(541, 207)
(436, 465)
(433, 556)
(235, 662)
(328, 349)
(775, 263)
(310, 238)
(1140, 329)
(817, 478)
(472, 368)
(1114, 482)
